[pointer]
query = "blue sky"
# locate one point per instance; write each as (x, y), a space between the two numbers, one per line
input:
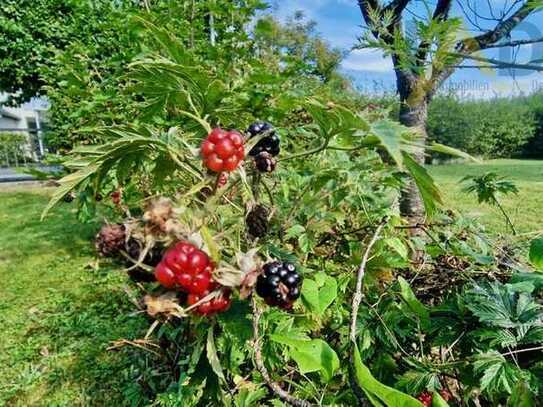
(340, 23)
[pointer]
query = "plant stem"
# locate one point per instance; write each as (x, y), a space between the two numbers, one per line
(507, 219)
(316, 150)
(357, 298)
(274, 387)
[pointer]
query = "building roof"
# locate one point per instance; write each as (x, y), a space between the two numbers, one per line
(11, 115)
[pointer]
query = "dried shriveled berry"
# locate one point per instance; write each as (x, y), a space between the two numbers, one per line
(257, 221)
(110, 240)
(69, 197)
(264, 162)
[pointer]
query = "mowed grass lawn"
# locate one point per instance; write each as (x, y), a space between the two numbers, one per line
(58, 315)
(525, 208)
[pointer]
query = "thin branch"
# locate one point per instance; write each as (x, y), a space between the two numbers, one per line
(274, 387)
(357, 298)
(515, 43)
(501, 64)
(502, 30)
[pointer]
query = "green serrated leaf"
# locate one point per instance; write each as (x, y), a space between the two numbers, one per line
(397, 245)
(294, 231)
(536, 253)
(438, 401)
(320, 293)
(311, 355)
(522, 396)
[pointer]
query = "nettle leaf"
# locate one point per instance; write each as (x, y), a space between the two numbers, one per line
(498, 375)
(294, 231)
(417, 381)
(311, 355)
(413, 303)
(378, 393)
(522, 396)
(320, 293)
(536, 253)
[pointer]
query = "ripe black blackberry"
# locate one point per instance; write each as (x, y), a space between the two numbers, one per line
(269, 144)
(257, 221)
(279, 284)
(264, 162)
(110, 240)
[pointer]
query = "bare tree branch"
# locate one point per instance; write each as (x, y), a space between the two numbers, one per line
(515, 43)
(274, 387)
(499, 32)
(502, 64)
(397, 7)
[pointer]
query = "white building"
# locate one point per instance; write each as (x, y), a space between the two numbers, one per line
(28, 121)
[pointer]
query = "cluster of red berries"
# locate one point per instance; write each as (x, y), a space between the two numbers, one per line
(425, 398)
(279, 284)
(223, 150)
(188, 268)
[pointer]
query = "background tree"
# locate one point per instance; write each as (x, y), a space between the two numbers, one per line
(426, 56)
(34, 32)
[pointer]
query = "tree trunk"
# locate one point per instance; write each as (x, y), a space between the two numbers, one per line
(414, 115)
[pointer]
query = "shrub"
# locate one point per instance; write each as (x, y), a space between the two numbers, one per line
(490, 128)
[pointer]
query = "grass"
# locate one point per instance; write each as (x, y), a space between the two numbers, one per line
(58, 313)
(525, 208)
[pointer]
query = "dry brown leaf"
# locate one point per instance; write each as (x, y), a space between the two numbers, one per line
(165, 304)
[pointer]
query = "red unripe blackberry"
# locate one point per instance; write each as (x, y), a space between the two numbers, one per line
(222, 150)
(425, 398)
(279, 284)
(186, 267)
(116, 197)
(217, 304)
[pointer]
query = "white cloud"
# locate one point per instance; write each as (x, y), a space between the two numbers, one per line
(367, 60)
